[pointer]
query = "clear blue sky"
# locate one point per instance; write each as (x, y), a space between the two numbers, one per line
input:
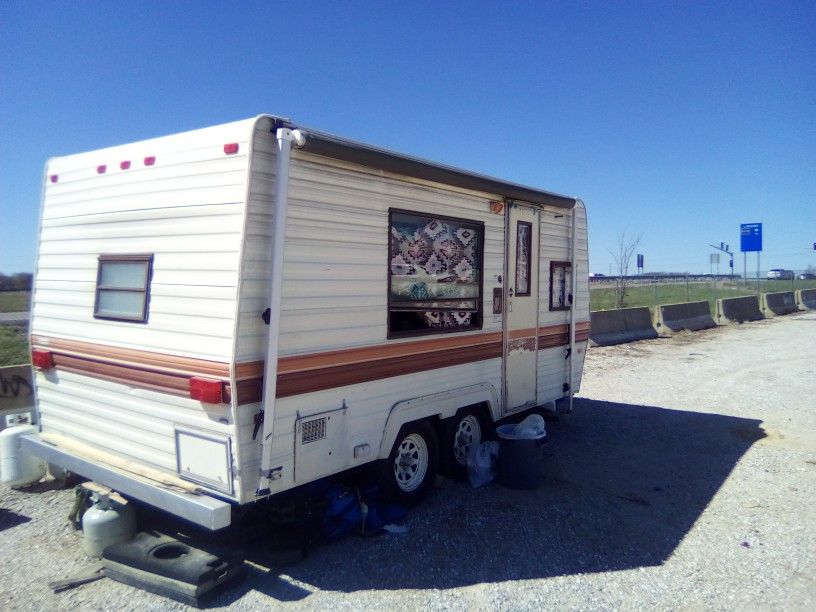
(674, 120)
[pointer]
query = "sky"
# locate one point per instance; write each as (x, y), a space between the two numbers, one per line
(674, 121)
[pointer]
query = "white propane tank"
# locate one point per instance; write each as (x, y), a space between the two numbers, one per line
(107, 522)
(18, 468)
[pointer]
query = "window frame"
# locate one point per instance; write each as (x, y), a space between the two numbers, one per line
(143, 258)
(480, 310)
(553, 266)
(529, 258)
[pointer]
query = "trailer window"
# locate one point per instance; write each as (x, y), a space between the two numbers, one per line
(524, 237)
(560, 285)
(434, 275)
(123, 287)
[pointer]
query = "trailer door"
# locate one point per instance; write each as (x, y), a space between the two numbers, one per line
(521, 333)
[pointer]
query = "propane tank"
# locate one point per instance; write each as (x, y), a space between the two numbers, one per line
(17, 467)
(107, 522)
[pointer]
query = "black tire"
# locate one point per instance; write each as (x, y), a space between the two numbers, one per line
(459, 433)
(401, 475)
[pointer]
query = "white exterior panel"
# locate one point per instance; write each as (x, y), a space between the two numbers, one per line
(187, 209)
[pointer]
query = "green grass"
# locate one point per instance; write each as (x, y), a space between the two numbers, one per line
(603, 298)
(13, 346)
(14, 301)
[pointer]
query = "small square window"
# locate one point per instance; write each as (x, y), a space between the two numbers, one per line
(123, 287)
(560, 285)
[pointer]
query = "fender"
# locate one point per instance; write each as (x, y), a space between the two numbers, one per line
(444, 405)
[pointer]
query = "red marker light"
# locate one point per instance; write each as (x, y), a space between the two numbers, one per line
(149, 161)
(206, 390)
(124, 165)
(101, 169)
(54, 178)
(42, 359)
(231, 149)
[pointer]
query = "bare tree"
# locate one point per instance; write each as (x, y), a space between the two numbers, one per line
(622, 256)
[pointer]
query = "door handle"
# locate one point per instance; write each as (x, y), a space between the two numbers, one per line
(510, 292)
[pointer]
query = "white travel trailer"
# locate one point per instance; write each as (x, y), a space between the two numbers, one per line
(226, 314)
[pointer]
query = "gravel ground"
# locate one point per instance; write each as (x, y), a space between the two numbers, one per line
(683, 479)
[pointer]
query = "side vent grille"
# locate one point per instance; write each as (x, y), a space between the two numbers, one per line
(313, 430)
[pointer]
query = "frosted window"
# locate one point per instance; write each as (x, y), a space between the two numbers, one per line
(560, 285)
(524, 236)
(123, 287)
(124, 275)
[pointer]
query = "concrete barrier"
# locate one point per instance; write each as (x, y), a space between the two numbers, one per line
(738, 310)
(806, 299)
(693, 316)
(16, 391)
(776, 304)
(618, 326)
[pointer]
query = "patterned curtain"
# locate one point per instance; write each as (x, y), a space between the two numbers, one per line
(435, 269)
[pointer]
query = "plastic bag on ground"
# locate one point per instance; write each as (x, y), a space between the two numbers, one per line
(481, 463)
(531, 427)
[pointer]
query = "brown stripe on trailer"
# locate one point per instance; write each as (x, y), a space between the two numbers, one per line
(558, 335)
(297, 374)
(157, 362)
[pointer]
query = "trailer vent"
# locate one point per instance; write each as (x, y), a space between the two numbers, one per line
(314, 430)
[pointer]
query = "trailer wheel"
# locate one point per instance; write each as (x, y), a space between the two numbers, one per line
(410, 469)
(459, 434)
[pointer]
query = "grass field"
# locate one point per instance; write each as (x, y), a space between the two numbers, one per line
(14, 301)
(14, 340)
(13, 346)
(603, 298)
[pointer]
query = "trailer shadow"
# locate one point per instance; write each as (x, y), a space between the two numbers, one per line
(625, 484)
(9, 519)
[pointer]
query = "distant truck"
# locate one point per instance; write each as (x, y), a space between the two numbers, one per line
(780, 274)
(223, 315)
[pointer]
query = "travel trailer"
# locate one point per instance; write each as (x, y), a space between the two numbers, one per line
(223, 315)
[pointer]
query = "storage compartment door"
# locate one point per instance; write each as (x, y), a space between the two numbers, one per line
(321, 446)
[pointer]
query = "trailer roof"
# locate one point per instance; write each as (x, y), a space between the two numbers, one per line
(328, 145)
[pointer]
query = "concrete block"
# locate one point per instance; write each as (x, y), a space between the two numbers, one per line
(776, 304)
(16, 390)
(806, 299)
(693, 316)
(738, 310)
(618, 326)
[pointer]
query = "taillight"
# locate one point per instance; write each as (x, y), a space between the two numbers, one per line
(124, 165)
(149, 161)
(231, 149)
(42, 359)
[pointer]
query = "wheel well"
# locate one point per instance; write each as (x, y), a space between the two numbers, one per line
(481, 408)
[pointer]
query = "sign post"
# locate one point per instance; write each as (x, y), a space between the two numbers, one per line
(750, 240)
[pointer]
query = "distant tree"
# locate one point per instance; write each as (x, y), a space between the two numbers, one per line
(622, 256)
(20, 281)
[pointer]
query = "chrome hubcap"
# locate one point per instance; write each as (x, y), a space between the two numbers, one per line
(468, 433)
(411, 462)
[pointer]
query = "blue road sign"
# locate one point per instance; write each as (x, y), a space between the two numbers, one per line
(750, 237)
